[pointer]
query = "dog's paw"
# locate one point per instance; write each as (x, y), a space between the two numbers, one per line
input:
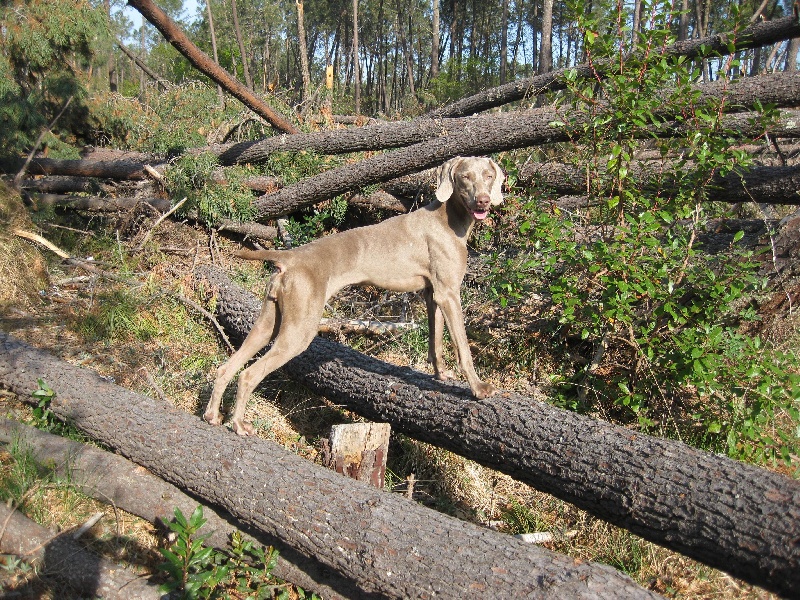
(213, 418)
(447, 375)
(484, 390)
(243, 428)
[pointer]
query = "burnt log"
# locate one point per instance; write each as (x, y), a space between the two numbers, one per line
(729, 515)
(203, 63)
(385, 544)
(480, 135)
(761, 33)
(768, 185)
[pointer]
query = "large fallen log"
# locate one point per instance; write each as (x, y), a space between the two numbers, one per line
(778, 89)
(481, 135)
(109, 477)
(384, 543)
(730, 515)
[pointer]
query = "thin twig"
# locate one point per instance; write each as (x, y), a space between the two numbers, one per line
(157, 223)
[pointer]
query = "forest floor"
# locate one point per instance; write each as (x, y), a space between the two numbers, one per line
(130, 330)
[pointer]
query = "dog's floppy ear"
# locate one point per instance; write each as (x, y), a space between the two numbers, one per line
(444, 176)
(496, 194)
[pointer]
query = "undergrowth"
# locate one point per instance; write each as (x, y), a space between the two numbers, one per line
(657, 318)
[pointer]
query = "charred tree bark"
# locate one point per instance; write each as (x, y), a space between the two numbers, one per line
(732, 516)
(108, 477)
(480, 135)
(767, 185)
(756, 35)
(383, 542)
(204, 64)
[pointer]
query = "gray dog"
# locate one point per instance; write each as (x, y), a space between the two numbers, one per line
(422, 250)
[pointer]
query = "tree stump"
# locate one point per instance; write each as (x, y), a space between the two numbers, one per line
(359, 451)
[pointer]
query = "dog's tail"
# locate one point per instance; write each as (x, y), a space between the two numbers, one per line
(271, 255)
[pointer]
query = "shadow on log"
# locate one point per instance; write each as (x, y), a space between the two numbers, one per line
(381, 541)
(730, 515)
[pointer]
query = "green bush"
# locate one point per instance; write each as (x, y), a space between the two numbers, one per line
(659, 320)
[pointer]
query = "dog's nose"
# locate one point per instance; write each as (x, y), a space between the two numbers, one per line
(482, 201)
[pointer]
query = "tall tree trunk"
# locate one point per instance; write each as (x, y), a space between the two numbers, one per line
(637, 21)
(301, 41)
(503, 41)
(356, 68)
(683, 22)
(406, 53)
(546, 47)
(113, 84)
(238, 32)
(220, 95)
(791, 55)
(142, 57)
(435, 39)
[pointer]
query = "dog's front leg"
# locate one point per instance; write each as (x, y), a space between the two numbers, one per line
(450, 305)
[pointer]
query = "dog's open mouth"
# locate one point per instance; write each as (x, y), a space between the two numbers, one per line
(480, 215)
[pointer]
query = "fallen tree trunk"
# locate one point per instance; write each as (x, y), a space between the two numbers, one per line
(124, 169)
(481, 135)
(732, 516)
(761, 33)
(779, 89)
(203, 63)
(95, 203)
(383, 542)
(109, 477)
(768, 185)
(64, 559)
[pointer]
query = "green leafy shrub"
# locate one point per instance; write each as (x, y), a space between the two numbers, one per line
(657, 319)
(191, 177)
(197, 571)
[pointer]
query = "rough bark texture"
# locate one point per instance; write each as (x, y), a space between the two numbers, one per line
(480, 135)
(780, 89)
(63, 558)
(758, 34)
(204, 64)
(770, 185)
(121, 168)
(109, 477)
(385, 543)
(94, 203)
(726, 514)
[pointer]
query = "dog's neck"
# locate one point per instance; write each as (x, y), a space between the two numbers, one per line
(459, 219)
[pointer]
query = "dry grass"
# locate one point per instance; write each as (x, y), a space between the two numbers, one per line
(155, 345)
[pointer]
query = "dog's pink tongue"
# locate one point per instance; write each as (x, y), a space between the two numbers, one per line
(480, 215)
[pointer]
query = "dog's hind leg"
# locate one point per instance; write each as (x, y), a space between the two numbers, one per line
(300, 307)
(260, 335)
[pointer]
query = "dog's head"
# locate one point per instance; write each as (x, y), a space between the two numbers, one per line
(476, 182)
